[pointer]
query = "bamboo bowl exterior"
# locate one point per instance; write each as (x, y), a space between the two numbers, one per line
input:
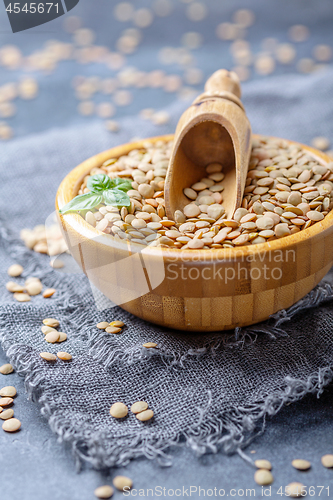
(203, 290)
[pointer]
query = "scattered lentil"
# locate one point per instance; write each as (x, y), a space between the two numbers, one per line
(48, 356)
(112, 329)
(263, 464)
(52, 337)
(6, 401)
(104, 491)
(301, 464)
(6, 414)
(34, 288)
(11, 425)
(327, 461)
(6, 369)
(121, 482)
(295, 490)
(8, 391)
(64, 356)
(62, 337)
(14, 287)
(15, 270)
(118, 410)
(102, 325)
(145, 415)
(118, 324)
(49, 292)
(149, 345)
(263, 477)
(54, 323)
(139, 406)
(22, 297)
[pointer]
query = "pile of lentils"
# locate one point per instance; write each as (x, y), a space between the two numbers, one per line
(287, 190)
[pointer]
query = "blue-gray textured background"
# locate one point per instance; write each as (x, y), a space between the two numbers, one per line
(284, 103)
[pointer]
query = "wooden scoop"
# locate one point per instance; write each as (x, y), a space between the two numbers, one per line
(213, 129)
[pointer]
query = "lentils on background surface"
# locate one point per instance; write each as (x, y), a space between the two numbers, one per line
(6, 369)
(286, 191)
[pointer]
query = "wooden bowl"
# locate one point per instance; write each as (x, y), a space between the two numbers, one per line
(202, 290)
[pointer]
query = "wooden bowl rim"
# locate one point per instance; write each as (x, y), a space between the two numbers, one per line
(79, 225)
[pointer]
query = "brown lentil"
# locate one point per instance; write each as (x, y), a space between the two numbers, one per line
(121, 482)
(102, 325)
(145, 415)
(49, 292)
(6, 369)
(112, 329)
(48, 356)
(14, 287)
(54, 323)
(284, 183)
(149, 345)
(8, 391)
(15, 270)
(6, 414)
(104, 491)
(22, 297)
(52, 337)
(139, 406)
(11, 425)
(301, 464)
(62, 337)
(118, 410)
(64, 356)
(263, 464)
(6, 401)
(295, 490)
(118, 324)
(327, 461)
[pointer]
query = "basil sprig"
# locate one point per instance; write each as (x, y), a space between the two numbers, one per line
(112, 191)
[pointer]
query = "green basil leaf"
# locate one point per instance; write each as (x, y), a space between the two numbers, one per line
(98, 183)
(116, 198)
(123, 184)
(82, 202)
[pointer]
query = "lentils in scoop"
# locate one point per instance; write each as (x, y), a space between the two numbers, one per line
(287, 190)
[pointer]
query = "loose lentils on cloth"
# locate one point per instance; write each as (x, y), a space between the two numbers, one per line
(287, 190)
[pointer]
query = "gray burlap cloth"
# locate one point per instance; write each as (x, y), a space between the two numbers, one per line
(208, 392)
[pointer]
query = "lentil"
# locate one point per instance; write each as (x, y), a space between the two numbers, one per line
(6, 414)
(263, 477)
(9, 391)
(14, 287)
(64, 356)
(118, 324)
(301, 464)
(102, 325)
(49, 292)
(22, 297)
(15, 270)
(121, 482)
(139, 406)
(263, 464)
(118, 410)
(295, 490)
(145, 415)
(48, 356)
(327, 461)
(104, 491)
(62, 337)
(54, 323)
(284, 184)
(52, 337)
(6, 401)
(6, 369)
(11, 425)
(113, 329)
(149, 345)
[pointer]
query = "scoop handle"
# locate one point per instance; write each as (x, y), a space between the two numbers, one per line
(223, 81)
